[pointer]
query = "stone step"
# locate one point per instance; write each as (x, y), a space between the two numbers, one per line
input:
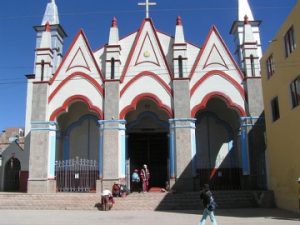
(134, 201)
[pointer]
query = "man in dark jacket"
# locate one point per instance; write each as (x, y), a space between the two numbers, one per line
(209, 206)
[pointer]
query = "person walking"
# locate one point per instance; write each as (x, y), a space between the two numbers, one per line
(145, 176)
(209, 206)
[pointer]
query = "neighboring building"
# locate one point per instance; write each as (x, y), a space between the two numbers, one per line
(281, 88)
(191, 113)
(13, 160)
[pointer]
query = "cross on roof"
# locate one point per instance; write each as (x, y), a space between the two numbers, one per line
(147, 4)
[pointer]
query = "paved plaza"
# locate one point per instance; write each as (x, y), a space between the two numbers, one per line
(114, 217)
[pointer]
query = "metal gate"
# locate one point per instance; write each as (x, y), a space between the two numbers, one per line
(76, 175)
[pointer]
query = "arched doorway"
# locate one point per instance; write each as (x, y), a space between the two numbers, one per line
(12, 175)
(218, 157)
(77, 150)
(147, 141)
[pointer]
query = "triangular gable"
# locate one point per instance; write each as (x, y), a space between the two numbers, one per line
(79, 60)
(80, 57)
(146, 49)
(147, 53)
(215, 58)
(215, 52)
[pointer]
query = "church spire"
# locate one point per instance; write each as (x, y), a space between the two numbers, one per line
(244, 9)
(51, 14)
(241, 35)
(114, 32)
(179, 34)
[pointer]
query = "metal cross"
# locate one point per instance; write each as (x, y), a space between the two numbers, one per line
(147, 4)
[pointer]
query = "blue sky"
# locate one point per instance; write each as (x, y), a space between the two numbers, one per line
(17, 37)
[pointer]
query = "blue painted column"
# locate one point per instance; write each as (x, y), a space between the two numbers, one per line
(172, 150)
(52, 150)
(176, 127)
(49, 129)
(116, 128)
(101, 129)
(244, 145)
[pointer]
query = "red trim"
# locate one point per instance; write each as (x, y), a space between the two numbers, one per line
(79, 74)
(221, 74)
(214, 30)
(133, 48)
(72, 99)
(224, 97)
(80, 33)
(155, 63)
(147, 73)
(224, 63)
(86, 67)
(138, 98)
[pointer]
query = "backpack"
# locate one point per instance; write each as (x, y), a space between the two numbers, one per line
(212, 204)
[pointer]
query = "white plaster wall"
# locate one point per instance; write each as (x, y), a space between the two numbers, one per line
(77, 86)
(145, 84)
(213, 84)
(231, 70)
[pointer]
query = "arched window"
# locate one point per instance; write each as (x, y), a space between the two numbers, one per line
(180, 68)
(112, 68)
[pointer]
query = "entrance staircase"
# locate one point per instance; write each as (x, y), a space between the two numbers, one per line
(134, 201)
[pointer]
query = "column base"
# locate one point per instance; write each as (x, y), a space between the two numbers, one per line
(41, 186)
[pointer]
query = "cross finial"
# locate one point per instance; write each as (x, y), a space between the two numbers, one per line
(147, 4)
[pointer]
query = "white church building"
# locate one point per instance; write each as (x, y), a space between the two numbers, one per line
(93, 116)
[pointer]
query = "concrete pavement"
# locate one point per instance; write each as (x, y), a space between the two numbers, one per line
(63, 217)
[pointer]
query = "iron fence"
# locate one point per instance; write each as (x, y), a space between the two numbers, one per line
(76, 175)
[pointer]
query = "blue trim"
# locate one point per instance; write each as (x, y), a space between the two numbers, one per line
(172, 153)
(122, 140)
(182, 119)
(111, 121)
(52, 151)
(193, 149)
(43, 129)
(245, 158)
(100, 154)
(52, 123)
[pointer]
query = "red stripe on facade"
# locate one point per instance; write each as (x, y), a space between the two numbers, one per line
(80, 33)
(133, 48)
(221, 74)
(151, 96)
(224, 97)
(214, 30)
(73, 99)
(79, 74)
(150, 74)
(85, 67)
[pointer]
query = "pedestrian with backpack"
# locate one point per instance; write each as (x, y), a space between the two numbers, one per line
(209, 205)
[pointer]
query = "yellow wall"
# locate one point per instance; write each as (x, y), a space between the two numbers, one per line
(283, 135)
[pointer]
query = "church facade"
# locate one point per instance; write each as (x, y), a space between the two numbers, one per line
(192, 114)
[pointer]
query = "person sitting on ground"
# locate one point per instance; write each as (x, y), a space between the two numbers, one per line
(116, 190)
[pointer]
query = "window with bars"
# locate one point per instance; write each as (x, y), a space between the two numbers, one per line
(275, 109)
(295, 92)
(289, 42)
(270, 66)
